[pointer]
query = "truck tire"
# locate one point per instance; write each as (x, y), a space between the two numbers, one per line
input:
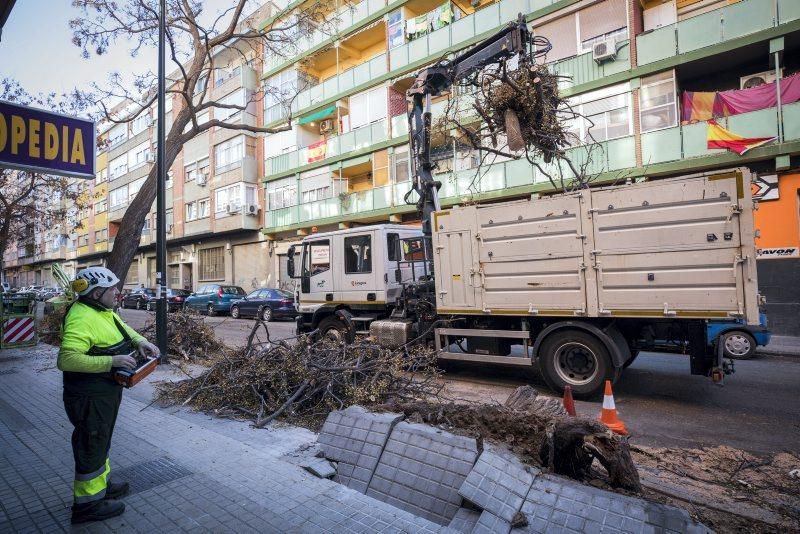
(738, 345)
(577, 359)
(337, 329)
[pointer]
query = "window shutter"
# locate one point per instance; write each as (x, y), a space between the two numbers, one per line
(602, 18)
(562, 35)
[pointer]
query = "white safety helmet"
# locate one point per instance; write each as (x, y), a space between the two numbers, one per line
(93, 277)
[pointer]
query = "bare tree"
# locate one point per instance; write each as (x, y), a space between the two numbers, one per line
(31, 201)
(195, 39)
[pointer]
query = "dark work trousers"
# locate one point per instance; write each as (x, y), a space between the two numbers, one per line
(93, 415)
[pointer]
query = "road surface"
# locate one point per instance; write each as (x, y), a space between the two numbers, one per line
(660, 402)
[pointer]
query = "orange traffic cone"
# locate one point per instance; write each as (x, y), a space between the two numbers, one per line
(569, 402)
(608, 415)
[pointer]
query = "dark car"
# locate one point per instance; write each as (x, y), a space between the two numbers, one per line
(175, 298)
(266, 304)
(213, 298)
(138, 298)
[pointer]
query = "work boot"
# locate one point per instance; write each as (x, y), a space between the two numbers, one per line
(116, 490)
(96, 511)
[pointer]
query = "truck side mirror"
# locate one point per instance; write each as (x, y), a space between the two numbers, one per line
(290, 262)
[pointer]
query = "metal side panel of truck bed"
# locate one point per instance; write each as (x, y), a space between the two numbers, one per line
(679, 247)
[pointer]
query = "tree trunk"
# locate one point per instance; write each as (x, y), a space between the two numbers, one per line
(126, 242)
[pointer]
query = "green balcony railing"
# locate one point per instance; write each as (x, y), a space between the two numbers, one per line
(352, 141)
(582, 69)
(344, 82)
(715, 27)
(690, 140)
(612, 155)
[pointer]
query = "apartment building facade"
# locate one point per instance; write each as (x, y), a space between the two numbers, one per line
(628, 66)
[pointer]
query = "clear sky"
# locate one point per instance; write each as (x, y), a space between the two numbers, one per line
(37, 50)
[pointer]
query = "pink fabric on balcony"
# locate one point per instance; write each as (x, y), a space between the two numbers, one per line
(764, 96)
(697, 106)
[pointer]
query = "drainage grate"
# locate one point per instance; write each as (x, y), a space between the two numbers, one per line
(147, 475)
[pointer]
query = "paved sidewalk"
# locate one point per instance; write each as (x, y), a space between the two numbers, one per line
(782, 345)
(188, 472)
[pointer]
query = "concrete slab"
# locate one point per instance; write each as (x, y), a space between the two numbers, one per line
(498, 483)
(320, 468)
(464, 520)
(488, 523)
(355, 438)
(421, 470)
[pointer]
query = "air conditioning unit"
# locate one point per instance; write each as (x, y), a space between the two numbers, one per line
(202, 179)
(754, 80)
(252, 209)
(151, 157)
(234, 208)
(604, 50)
(326, 126)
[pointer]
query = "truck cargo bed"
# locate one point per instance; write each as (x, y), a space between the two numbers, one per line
(680, 247)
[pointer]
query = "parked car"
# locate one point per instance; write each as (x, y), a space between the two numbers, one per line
(138, 298)
(175, 298)
(739, 341)
(49, 292)
(266, 304)
(5, 287)
(213, 298)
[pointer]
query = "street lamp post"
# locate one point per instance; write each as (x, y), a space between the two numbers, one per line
(161, 208)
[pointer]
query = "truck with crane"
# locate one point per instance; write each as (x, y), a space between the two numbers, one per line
(576, 283)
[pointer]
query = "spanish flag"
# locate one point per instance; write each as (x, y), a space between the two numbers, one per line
(719, 137)
(316, 151)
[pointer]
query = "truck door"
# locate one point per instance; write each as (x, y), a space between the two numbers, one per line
(454, 285)
(358, 267)
(316, 284)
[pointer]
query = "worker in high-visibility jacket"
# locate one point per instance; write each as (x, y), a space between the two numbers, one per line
(95, 341)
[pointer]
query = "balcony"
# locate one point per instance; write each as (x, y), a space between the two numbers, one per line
(715, 27)
(347, 18)
(611, 155)
(346, 81)
(583, 69)
(244, 77)
(689, 141)
(352, 141)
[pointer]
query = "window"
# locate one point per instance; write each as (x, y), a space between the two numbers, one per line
(101, 235)
(211, 263)
(228, 155)
(118, 134)
(282, 193)
(657, 102)
(236, 98)
(318, 259)
(280, 143)
(282, 87)
(193, 170)
(101, 176)
(367, 107)
(174, 275)
(147, 225)
(100, 207)
(118, 197)
(170, 177)
(400, 165)
(396, 25)
(118, 167)
(602, 117)
(133, 187)
(357, 254)
(197, 209)
(228, 196)
(83, 240)
(223, 75)
(202, 82)
(393, 246)
(138, 156)
(140, 123)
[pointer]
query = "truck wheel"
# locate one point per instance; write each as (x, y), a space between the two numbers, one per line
(336, 329)
(738, 345)
(577, 359)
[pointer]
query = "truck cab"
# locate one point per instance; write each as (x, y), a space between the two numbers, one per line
(347, 278)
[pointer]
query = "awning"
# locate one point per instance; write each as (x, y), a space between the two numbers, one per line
(317, 115)
(356, 161)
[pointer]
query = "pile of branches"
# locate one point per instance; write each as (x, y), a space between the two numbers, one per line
(188, 337)
(304, 381)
